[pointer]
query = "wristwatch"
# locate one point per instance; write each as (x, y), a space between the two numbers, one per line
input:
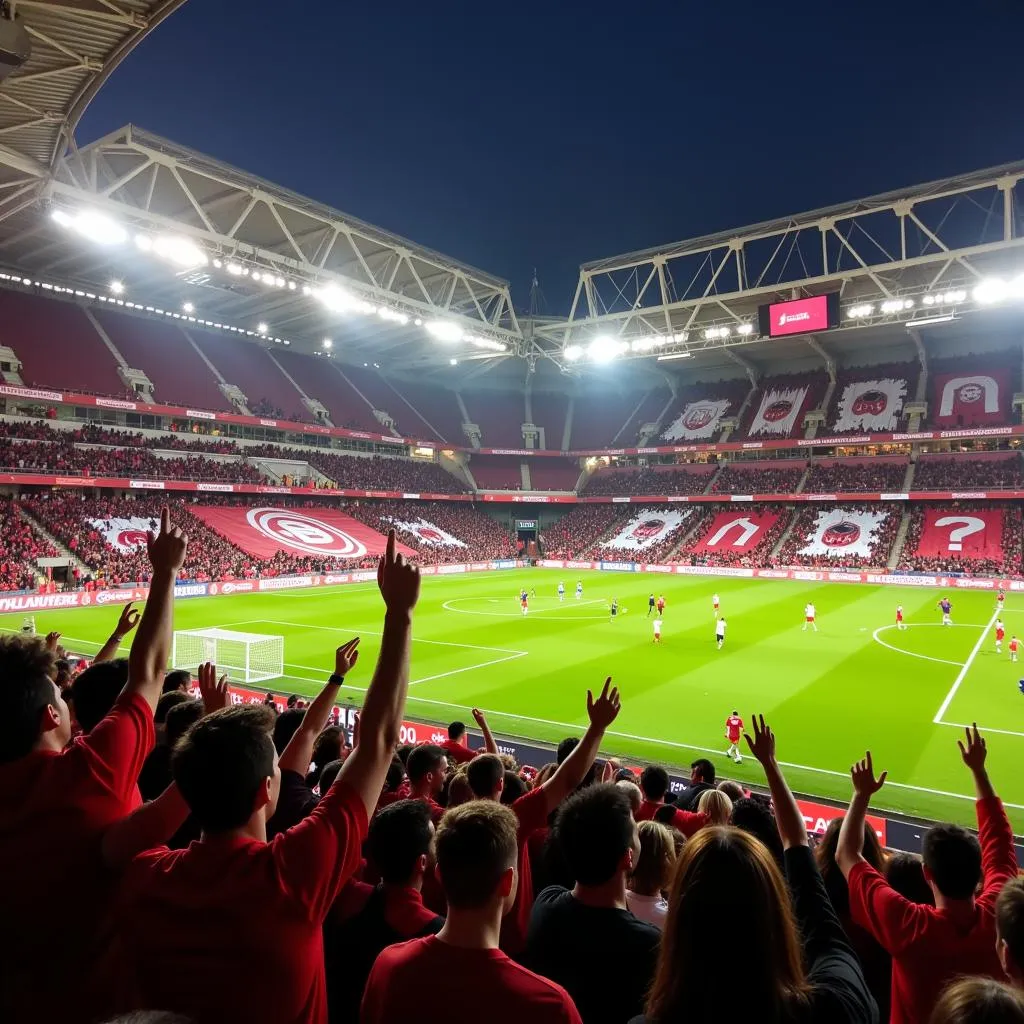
(335, 679)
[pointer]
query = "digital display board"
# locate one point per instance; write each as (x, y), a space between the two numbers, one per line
(799, 316)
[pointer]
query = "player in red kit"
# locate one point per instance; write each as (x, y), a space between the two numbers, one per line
(1000, 602)
(1000, 633)
(733, 731)
(900, 624)
(1014, 644)
(661, 605)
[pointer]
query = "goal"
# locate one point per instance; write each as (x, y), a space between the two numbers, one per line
(245, 657)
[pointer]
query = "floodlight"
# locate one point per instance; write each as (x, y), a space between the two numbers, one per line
(189, 308)
(328, 343)
(117, 287)
(183, 252)
(573, 352)
(262, 328)
(992, 289)
(445, 331)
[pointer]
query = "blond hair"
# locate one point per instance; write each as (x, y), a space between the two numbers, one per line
(716, 805)
(653, 870)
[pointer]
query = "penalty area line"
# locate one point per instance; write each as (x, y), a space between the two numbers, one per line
(962, 674)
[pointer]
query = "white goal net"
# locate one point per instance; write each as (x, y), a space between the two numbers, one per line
(245, 657)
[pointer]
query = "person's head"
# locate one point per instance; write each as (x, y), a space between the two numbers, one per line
(396, 774)
(286, 725)
(63, 674)
(513, 788)
(31, 705)
(905, 873)
(402, 752)
(825, 854)
(177, 679)
(979, 1001)
(292, 701)
(717, 869)
(459, 790)
(716, 805)
(596, 833)
(95, 691)
(564, 749)
(426, 768)
(328, 745)
(328, 775)
(702, 770)
(486, 776)
(226, 768)
(733, 790)
(1010, 929)
(545, 773)
(652, 872)
(166, 702)
(755, 817)
(654, 782)
(952, 862)
(476, 849)
(401, 837)
(633, 793)
(180, 719)
(457, 731)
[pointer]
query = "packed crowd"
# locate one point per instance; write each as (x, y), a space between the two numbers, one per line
(19, 548)
(650, 481)
(578, 530)
(863, 475)
(355, 473)
(755, 555)
(964, 473)
(907, 373)
(1012, 560)
(748, 478)
(284, 869)
(804, 527)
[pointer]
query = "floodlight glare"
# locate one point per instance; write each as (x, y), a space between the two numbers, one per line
(573, 352)
(445, 331)
(182, 252)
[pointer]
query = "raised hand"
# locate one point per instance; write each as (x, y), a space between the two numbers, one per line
(214, 691)
(52, 640)
(345, 657)
(975, 751)
(762, 746)
(167, 547)
(603, 711)
(399, 581)
(862, 774)
(128, 620)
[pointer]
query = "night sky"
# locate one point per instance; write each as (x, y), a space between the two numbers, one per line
(549, 133)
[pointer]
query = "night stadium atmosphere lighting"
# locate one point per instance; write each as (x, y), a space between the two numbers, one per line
(925, 321)
(180, 251)
(573, 352)
(453, 362)
(328, 343)
(92, 226)
(861, 311)
(262, 328)
(445, 330)
(897, 305)
(117, 287)
(188, 307)
(674, 355)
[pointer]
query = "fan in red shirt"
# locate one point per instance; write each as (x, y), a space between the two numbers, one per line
(654, 785)
(932, 945)
(486, 777)
(455, 746)
(427, 766)
(199, 923)
(66, 807)
(461, 968)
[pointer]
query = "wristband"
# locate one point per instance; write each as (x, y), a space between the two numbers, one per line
(335, 679)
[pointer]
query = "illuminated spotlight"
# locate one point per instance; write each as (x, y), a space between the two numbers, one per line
(376, 366)
(445, 331)
(418, 322)
(182, 252)
(257, 276)
(745, 329)
(92, 226)
(188, 307)
(573, 352)
(453, 362)
(993, 289)
(604, 349)
(63, 218)
(218, 264)
(262, 328)
(117, 287)
(930, 300)
(306, 290)
(1017, 287)
(328, 343)
(291, 286)
(235, 269)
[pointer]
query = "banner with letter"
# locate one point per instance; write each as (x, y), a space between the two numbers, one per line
(842, 532)
(650, 527)
(735, 533)
(427, 533)
(958, 534)
(698, 420)
(871, 405)
(779, 411)
(970, 399)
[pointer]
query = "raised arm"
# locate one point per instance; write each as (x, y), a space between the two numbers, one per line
(489, 745)
(381, 719)
(787, 814)
(126, 622)
(572, 771)
(297, 754)
(850, 849)
(148, 659)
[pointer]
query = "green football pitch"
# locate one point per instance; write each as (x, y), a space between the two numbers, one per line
(858, 682)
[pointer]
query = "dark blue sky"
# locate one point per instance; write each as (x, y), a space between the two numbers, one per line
(549, 133)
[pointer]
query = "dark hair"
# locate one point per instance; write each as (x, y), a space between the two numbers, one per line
(825, 854)
(329, 774)
(328, 746)
(476, 844)
(483, 774)
(399, 835)
(1010, 919)
(177, 679)
(403, 752)
(513, 789)
(755, 817)
(293, 700)
(952, 856)
(564, 749)
(63, 673)
(733, 790)
(221, 762)
(456, 731)
(654, 782)
(423, 760)
(180, 718)
(27, 688)
(979, 1001)
(167, 701)
(286, 726)
(905, 873)
(594, 829)
(396, 773)
(705, 769)
(95, 691)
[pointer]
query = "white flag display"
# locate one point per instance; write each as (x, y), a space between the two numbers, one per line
(777, 414)
(840, 532)
(427, 533)
(871, 405)
(124, 534)
(647, 529)
(697, 420)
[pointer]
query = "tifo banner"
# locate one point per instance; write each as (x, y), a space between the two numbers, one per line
(124, 534)
(871, 405)
(736, 532)
(429, 534)
(265, 531)
(970, 400)
(697, 420)
(778, 412)
(647, 529)
(841, 532)
(974, 534)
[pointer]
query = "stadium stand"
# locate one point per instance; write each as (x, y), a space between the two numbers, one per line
(19, 548)
(714, 543)
(867, 533)
(598, 419)
(750, 478)
(553, 474)
(647, 411)
(549, 411)
(361, 473)
(436, 411)
(877, 473)
(320, 380)
(653, 480)
(872, 399)
(973, 389)
(579, 530)
(777, 410)
(499, 415)
(496, 472)
(1004, 557)
(698, 410)
(968, 472)
(375, 393)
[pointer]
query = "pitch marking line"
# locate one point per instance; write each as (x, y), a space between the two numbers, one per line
(370, 585)
(448, 606)
(914, 654)
(937, 720)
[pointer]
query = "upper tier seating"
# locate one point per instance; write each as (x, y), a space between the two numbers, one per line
(496, 472)
(864, 474)
(751, 478)
(720, 400)
(319, 379)
(655, 480)
(598, 418)
(777, 410)
(499, 415)
(553, 474)
(880, 411)
(549, 412)
(968, 472)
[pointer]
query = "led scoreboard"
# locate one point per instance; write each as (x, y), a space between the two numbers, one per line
(799, 316)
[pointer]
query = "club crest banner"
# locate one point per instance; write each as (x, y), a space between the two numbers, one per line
(779, 411)
(124, 534)
(871, 405)
(842, 532)
(698, 421)
(970, 400)
(648, 528)
(427, 533)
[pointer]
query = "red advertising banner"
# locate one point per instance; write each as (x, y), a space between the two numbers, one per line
(960, 534)
(322, 532)
(736, 532)
(971, 399)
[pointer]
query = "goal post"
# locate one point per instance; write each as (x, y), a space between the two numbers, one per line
(245, 657)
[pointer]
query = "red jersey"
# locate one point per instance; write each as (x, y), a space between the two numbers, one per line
(54, 809)
(899, 615)
(1013, 645)
(661, 604)
(458, 752)
(929, 947)
(648, 808)
(734, 728)
(459, 982)
(195, 921)
(1000, 633)
(531, 811)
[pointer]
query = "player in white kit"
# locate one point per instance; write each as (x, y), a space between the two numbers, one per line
(579, 589)
(657, 631)
(714, 604)
(809, 618)
(720, 632)
(561, 591)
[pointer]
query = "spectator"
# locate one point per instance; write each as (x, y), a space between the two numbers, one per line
(754, 815)
(1010, 930)
(178, 679)
(979, 1001)
(455, 746)
(426, 768)
(654, 784)
(905, 873)
(462, 966)
(571, 931)
(931, 945)
(651, 875)
(633, 793)
(702, 777)
(716, 806)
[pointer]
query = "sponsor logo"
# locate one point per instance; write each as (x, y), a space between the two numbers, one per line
(364, 577)
(268, 423)
(39, 602)
(118, 596)
(331, 579)
(862, 439)
(224, 488)
(773, 574)
(199, 414)
(274, 490)
(113, 403)
(622, 501)
(480, 566)
(969, 494)
(286, 583)
(410, 495)
(359, 433)
(895, 497)
(243, 587)
(618, 566)
(841, 534)
(147, 485)
(800, 574)
(45, 396)
(793, 318)
(680, 497)
(445, 570)
(504, 563)
(509, 451)
(657, 568)
(845, 577)
(971, 584)
(753, 444)
(976, 432)
(190, 590)
(74, 481)
(304, 533)
(741, 497)
(819, 497)
(713, 570)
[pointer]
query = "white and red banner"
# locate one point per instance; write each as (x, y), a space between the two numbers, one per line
(698, 420)
(736, 532)
(648, 528)
(263, 532)
(970, 399)
(871, 405)
(124, 534)
(779, 411)
(428, 533)
(952, 532)
(842, 532)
